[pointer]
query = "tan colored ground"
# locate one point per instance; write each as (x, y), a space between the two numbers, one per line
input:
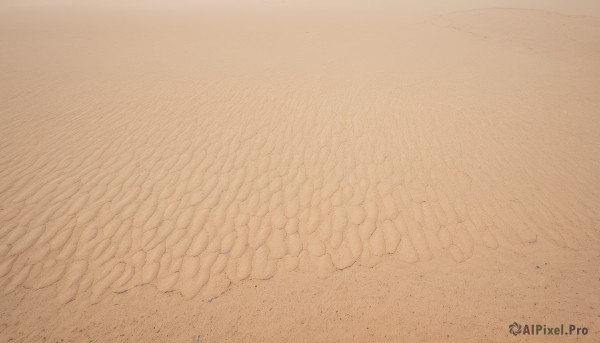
(397, 171)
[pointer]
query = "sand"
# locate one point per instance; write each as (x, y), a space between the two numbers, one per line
(298, 171)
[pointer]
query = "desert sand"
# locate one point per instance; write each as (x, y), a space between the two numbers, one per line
(237, 171)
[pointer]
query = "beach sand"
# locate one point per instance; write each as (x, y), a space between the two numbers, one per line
(298, 171)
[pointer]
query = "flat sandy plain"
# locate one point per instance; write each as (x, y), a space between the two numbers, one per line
(310, 171)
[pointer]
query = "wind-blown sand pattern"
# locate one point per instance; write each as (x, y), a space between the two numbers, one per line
(144, 146)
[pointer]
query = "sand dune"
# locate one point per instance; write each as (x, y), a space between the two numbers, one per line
(157, 160)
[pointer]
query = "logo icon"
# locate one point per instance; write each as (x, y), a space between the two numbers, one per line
(514, 328)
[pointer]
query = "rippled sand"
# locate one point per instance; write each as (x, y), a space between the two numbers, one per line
(394, 171)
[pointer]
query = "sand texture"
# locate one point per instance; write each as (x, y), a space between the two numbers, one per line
(397, 172)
